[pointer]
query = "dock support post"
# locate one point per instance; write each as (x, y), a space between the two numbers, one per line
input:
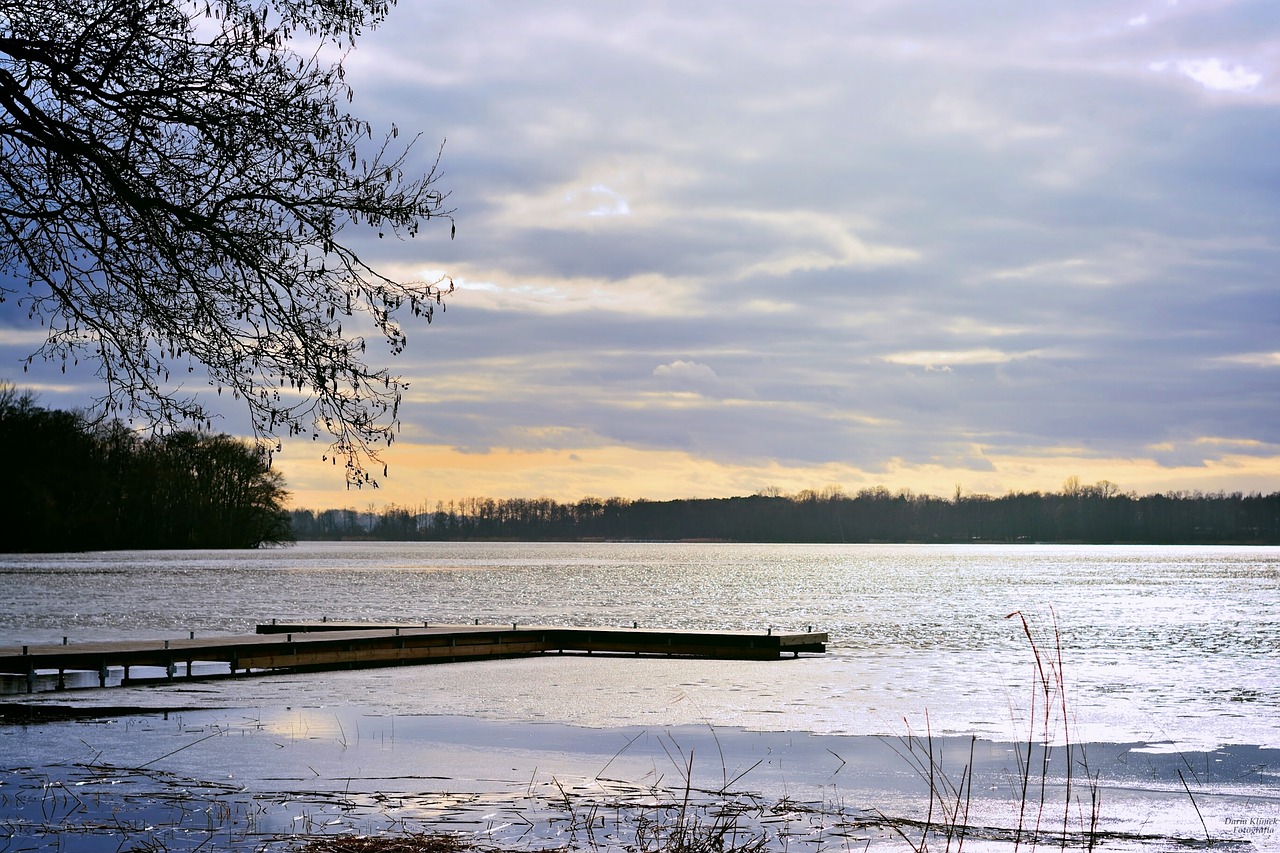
(102, 675)
(31, 681)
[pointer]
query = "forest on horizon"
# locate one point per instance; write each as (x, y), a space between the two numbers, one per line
(80, 485)
(1098, 513)
(76, 485)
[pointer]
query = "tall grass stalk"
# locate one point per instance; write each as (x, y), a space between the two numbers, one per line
(947, 815)
(1050, 690)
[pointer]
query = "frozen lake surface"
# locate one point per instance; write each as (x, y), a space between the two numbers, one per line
(1168, 663)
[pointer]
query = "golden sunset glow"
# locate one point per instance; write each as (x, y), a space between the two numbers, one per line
(687, 264)
(421, 475)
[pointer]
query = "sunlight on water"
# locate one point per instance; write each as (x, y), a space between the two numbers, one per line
(1168, 644)
(1171, 677)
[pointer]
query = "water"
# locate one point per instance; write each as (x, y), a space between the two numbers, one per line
(1159, 643)
(1168, 656)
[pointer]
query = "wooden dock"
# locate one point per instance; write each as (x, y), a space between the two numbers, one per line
(325, 645)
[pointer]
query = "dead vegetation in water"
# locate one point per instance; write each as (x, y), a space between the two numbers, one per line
(1041, 820)
(35, 713)
(1044, 807)
(424, 842)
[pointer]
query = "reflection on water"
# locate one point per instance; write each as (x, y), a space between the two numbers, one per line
(1159, 643)
(231, 780)
(1172, 680)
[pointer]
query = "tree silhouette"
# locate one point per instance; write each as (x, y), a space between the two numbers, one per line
(175, 182)
(74, 486)
(1099, 513)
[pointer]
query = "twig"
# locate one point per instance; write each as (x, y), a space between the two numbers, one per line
(1194, 805)
(181, 748)
(614, 758)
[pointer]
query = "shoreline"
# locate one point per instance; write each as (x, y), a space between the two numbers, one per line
(1151, 659)
(359, 769)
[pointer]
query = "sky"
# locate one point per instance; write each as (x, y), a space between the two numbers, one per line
(723, 248)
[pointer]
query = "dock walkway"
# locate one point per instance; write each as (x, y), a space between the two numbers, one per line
(316, 646)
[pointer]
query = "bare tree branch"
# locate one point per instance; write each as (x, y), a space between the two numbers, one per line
(175, 180)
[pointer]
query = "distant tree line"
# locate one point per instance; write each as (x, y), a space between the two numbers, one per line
(1099, 513)
(75, 486)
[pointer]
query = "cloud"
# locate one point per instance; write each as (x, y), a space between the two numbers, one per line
(1254, 359)
(1214, 74)
(857, 241)
(687, 375)
(608, 202)
(866, 243)
(31, 338)
(947, 360)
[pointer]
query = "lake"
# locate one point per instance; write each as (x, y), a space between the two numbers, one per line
(1167, 657)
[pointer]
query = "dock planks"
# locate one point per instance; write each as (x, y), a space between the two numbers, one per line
(325, 645)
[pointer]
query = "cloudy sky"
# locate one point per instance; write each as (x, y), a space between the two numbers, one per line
(710, 249)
